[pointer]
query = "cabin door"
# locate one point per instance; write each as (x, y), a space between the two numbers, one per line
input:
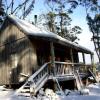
(43, 54)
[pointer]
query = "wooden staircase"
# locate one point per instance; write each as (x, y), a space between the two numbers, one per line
(35, 82)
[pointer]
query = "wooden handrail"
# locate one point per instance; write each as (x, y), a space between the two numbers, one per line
(67, 68)
(66, 63)
(37, 72)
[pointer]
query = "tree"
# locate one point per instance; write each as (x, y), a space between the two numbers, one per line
(94, 25)
(58, 21)
(1, 8)
(1, 12)
(19, 8)
(92, 8)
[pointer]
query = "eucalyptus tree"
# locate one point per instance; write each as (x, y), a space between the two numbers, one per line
(1, 12)
(57, 19)
(92, 8)
(20, 8)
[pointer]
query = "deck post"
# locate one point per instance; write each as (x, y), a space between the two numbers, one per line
(72, 59)
(71, 53)
(92, 58)
(83, 55)
(52, 58)
(83, 58)
(92, 62)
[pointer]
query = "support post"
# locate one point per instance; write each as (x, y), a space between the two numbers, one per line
(72, 59)
(84, 61)
(92, 58)
(92, 62)
(83, 58)
(52, 58)
(71, 52)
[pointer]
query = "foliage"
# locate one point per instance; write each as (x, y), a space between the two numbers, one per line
(94, 25)
(1, 8)
(20, 8)
(1, 12)
(57, 19)
(93, 18)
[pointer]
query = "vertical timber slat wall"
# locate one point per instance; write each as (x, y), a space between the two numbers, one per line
(16, 53)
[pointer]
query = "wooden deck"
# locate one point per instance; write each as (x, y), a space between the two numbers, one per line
(61, 71)
(68, 77)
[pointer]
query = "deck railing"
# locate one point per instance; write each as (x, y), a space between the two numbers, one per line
(69, 68)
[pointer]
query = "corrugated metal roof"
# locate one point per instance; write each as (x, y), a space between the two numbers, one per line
(32, 30)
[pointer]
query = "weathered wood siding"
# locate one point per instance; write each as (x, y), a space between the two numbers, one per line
(17, 54)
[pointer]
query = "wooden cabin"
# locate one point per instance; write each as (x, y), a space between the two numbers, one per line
(24, 48)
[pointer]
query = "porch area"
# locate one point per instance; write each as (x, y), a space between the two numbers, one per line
(58, 62)
(61, 72)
